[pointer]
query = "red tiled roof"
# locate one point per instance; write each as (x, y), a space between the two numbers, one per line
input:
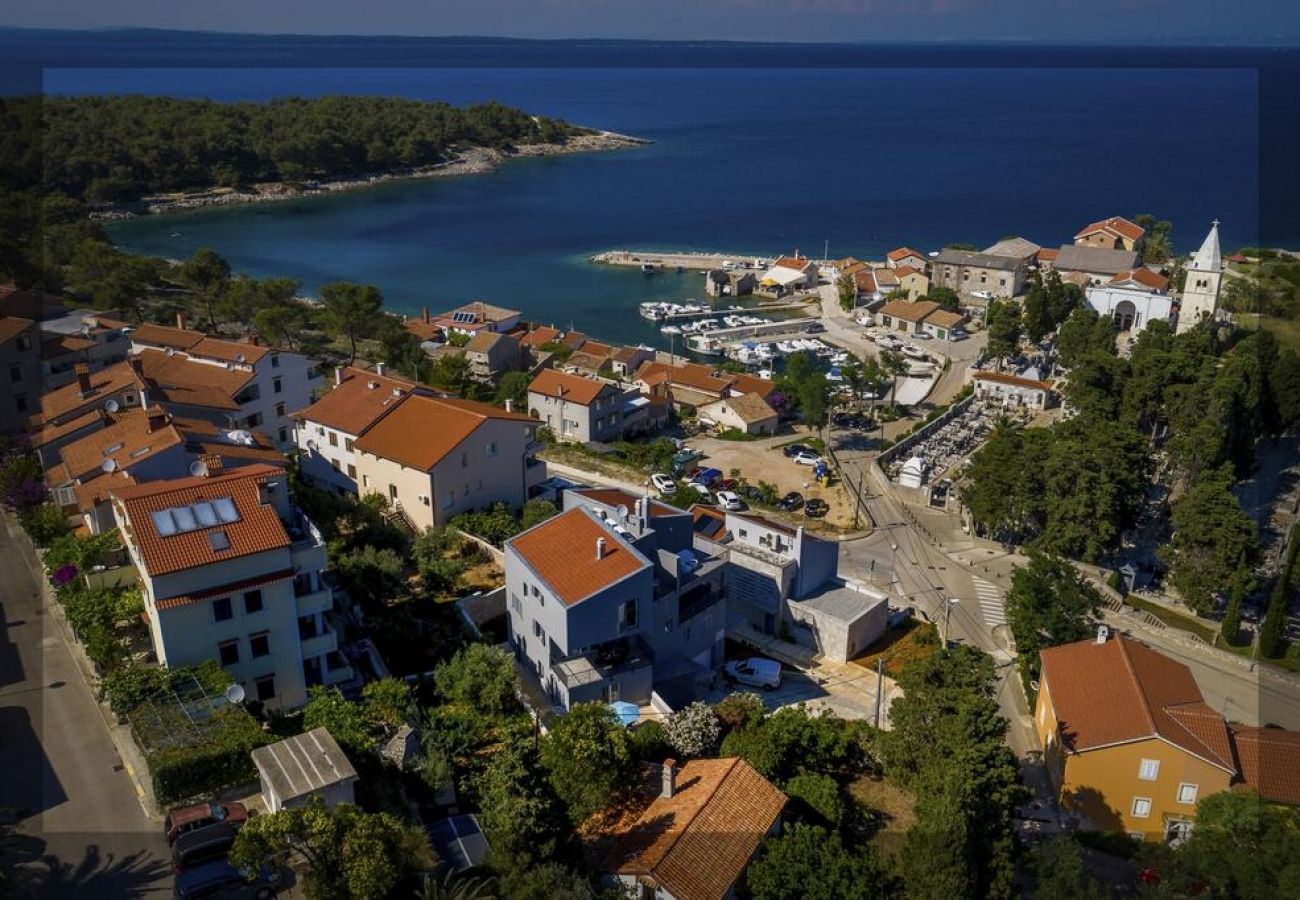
(792, 262)
(358, 402)
(1114, 225)
(229, 351)
(51, 433)
(697, 843)
(1048, 254)
(179, 379)
(246, 584)
(257, 531)
(422, 430)
(1016, 380)
(909, 310)
(1121, 691)
(127, 441)
(752, 384)
(885, 278)
(166, 336)
(12, 326)
(700, 378)
(59, 403)
(1143, 276)
(562, 552)
(539, 336)
(904, 253)
(904, 271)
(1269, 762)
(943, 318)
(865, 280)
(616, 497)
(574, 388)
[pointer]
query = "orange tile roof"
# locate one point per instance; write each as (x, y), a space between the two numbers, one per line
(166, 336)
(358, 402)
(422, 430)
(698, 377)
(942, 318)
(904, 271)
(179, 379)
(750, 408)
(1122, 691)
(1015, 380)
(909, 310)
(904, 253)
(203, 437)
(562, 552)
(885, 278)
(425, 331)
(1114, 225)
(1143, 276)
(51, 433)
(574, 388)
(257, 531)
(627, 354)
(12, 326)
(752, 384)
(93, 492)
(865, 280)
(246, 584)
(697, 843)
(60, 403)
(616, 497)
(539, 336)
(792, 262)
(229, 351)
(127, 442)
(1269, 762)
(1048, 254)
(63, 344)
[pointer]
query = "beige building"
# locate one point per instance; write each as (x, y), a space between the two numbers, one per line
(970, 273)
(906, 256)
(748, 413)
(1096, 265)
(491, 355)
(433, 458)
(1115, 233)
(913, 281)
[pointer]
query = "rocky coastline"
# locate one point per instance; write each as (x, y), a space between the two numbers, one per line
(472, 161)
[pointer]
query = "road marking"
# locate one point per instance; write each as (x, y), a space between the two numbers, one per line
(992, 605)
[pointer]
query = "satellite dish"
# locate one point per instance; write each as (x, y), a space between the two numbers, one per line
(235, 694)
(109, 465)
(111, 406)
(239, 358)
(171, 351)
(230, 367)
(622, 512)
(311, 446)
(198, 468)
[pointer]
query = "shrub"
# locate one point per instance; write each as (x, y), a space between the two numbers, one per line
(496, 525)
(818, 795)
(694, 730)
(481, 677)
(129, 686)
(219, 759)
(650, 742)
(739, 709)
(44, 524)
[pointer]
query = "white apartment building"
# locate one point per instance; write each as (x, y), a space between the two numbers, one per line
(232, 572)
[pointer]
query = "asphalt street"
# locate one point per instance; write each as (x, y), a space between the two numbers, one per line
(80, 828)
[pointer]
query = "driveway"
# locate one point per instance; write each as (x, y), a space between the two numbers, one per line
(81, 831)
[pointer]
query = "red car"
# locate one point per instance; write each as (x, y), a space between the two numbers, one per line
(184, 819)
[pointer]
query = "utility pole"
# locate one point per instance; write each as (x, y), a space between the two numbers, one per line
(947, 617)
(880, 686)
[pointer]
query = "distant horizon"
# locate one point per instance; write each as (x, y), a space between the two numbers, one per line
(1262, 42)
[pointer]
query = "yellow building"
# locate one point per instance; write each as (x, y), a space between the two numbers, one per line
(1129, 742)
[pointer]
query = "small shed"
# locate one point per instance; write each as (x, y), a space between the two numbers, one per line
(302, 767)
(402, 748)
(913, 473)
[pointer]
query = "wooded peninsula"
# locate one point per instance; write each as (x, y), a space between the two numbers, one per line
(111, 149)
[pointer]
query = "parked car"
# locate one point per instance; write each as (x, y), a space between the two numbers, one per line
(983, 295)
(184, 819)
(219, 879)
(807, 458)
(755, 671)
(663, 484)
(814, 328)
(791, 501)
(795, 449)
(202, 846)
(729, 500)
(707, 477)
(958, 334)
(816, 507)
(703, 490)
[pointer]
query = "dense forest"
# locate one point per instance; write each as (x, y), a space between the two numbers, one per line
(103, 149)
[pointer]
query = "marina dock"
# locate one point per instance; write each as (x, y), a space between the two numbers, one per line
(671, 261)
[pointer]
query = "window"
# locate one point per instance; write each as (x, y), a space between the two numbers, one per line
(392, 492)
(260, 644)
(347, 444)
(352, 472)
(15, 373)
(1149, 770)
(334, 439)
(265, 688)
(365, 480)
(1187, 793)
(284, 435)
(627, 615)
(222, 610)
(1141, 807)
(464, 460)
(279, 410)
(229, 652)
(254, 420)
(538, 632)
(277, 385)
(450, 501)
(24, 342)
(275, 360)
(492, 448)
(20, 402)
(252, 602)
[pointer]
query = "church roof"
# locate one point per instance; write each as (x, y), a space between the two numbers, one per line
(1209, 258)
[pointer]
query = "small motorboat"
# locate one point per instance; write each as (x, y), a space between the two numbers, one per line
(670, 329)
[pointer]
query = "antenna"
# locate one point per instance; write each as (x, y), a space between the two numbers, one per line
(198, 468)
(621, 512)
(235, 694)
(111, 405)
(109, 465)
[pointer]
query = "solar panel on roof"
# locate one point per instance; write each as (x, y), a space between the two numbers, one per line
(225, 508)
(218, 540)
(205, 513)
(184, 517)
(463, 317)
(162, 520)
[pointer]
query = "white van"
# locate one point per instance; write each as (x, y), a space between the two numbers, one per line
(755, 671)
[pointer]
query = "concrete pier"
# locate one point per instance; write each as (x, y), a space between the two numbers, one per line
(672, 260)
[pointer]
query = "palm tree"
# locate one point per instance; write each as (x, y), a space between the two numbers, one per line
(893, 365)
(454, 888)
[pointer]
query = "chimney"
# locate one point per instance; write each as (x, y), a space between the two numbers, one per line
(83, 378)
(510, 404)
(379, 368)
(157, 419)
(212, 461)
(424, 314)
(600, 548)
(669, 785)
(1102, 634)
(180, 321)
(338, 375)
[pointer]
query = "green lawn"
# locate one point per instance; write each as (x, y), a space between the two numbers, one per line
(1173, 619)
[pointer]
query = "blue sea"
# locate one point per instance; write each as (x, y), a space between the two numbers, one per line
(850, 150)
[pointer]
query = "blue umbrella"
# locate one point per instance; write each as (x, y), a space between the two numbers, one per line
(627, 713)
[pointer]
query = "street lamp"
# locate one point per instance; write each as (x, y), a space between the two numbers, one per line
(947, 616)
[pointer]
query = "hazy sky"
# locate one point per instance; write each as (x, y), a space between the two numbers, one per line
(1249, 21)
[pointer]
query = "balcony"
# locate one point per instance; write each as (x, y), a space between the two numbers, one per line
(307, 546)
(602, 662)
(317, 637)
(318, 601)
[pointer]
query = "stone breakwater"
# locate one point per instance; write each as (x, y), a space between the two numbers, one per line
(474, 161)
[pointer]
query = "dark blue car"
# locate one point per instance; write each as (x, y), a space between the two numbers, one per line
(707, 477)
(219, 880)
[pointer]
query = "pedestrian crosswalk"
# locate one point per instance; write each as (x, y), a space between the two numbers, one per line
(992, 604)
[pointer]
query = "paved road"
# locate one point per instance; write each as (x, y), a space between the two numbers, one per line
(81, 829)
